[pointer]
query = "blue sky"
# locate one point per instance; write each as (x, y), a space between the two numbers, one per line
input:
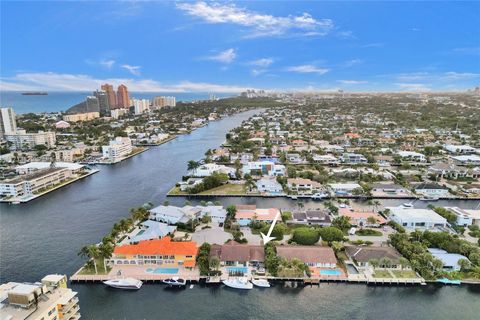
(230, 46)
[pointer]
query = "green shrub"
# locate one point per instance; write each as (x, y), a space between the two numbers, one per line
(305, 236)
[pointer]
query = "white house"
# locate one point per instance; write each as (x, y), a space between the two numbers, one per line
(173, 215)
(412, 156)
(325, 159)
(416, 218)
(117, 149)
(449, 260)
(459, 149)
(269, 185)
(262, 168)
(303, 186)
(353, 158)
(467, 160)
(208, 169)
(431, 190)
(344, 188)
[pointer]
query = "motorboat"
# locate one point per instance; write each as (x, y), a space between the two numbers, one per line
(447, 281)
(408, 205)
(293, 197)
(126, 283)
(429, 198)
(318, 196)
(238, 283)
(175, 281)
(262, 283)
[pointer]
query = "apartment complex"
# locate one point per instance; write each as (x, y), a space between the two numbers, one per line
(164, 101)
(49, 299)
(29, 184)
(117, 149)
(21, 140)
(86, 116)
(123, 98)
(8, 123)
(164, 252)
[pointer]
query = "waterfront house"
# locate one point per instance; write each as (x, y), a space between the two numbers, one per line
(162, 252)
(344, 188)
(245, 214)
(269, 185)
(431, 190)
(173, 215)
(326, 159)
(411, 156)
(150, 229)
(353, 158)
(261, 168)
(303, 186)
(390, 189)
(361, 218)
(465, 217)
(216, 213)
(363, 255)
(459, 149)
(189, 183)
(449, 260)
(417, 218)
(312, 256)
(208, 169)
(234, 254)
(466, 160)
(311, 217)
(117, 149)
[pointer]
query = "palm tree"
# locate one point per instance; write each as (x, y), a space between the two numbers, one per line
(90, 252)
(373, 262)
(464, 264)
(385, 262)
(214, 263)
(193, 166)
(403, 262)
(376, 204)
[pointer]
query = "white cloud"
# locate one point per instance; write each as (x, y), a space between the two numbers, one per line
(308, 68)
(226, 56)
(107, 63)
(352, 62)
(263, 62)
(51, 81)
(467, 50)
(135, 70)
(258, 24)
(436, 77)
(414, 87)
(352, 81)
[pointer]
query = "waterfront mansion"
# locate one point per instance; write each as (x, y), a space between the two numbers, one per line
(162, 252)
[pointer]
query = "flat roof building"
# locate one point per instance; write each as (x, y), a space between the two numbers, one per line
(417, 218)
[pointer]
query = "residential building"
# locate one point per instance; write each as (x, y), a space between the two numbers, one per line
(362, 218)
(216, 213)
(150, 230)
(31, 184)
(431, 190)
(312, 256)
(117, 149)
(112, 96)
(417, 218)
(466, 160)
(79, 117)
(465, 217)
(103, 104)
(344, 188)
(91, 104)
(269, 185)
(303, 186)
(247, 213)
(208, 169)
(311, 217)
(161, 252)
(189, 183)
(49, 299)
(363, 255)
(123, 98)
(172, 215)
(235, 254)
(117, 113)
(260, 168)
(353, 158)
(62, 125)
(389, 188)
(140, 105)
(34, 166)
(449, 260)
(21, 140)
(8, 121)
(326, 159)
(459, 149)
(411, 156)
(163, 101)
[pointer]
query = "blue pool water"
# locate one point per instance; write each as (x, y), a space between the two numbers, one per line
(163, 270)
(330, 272)
(238, 269)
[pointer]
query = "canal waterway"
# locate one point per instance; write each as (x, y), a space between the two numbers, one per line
(44, 236)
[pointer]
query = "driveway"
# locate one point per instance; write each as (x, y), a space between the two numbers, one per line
(215, 234)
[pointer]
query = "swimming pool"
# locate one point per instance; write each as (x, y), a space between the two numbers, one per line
(330, 272)
(163, 270)
(238, 269)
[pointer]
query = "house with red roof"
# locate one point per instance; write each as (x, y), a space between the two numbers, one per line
(159, 252)
(361, 218)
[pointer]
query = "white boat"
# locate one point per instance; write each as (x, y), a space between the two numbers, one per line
(318, 196)
(262, 283)
(429, 198)
(408, 205)
(238, 283)
(175, 281)
(294, 197)
(127, 283)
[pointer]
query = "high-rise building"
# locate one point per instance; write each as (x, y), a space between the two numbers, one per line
(123, 100)
(47, 300)
(8, 123)
(102, 97)
(140, 105)
(112, 97)
(162, 101)
(21, 140)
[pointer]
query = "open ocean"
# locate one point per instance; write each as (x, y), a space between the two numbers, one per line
(61, 101)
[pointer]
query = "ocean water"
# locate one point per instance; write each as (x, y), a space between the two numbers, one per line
(61, 101)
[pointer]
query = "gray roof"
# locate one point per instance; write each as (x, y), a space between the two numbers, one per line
(364, 254)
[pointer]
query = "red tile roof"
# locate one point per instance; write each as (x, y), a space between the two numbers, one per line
(164, 246)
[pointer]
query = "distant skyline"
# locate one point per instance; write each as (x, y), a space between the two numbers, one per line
(199, 46)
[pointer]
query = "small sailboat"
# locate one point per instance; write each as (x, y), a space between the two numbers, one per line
(262, 283)
(175, 281)
(238, 283)
(127, 283)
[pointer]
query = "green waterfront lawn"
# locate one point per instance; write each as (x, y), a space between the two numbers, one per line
(404, 274)
(382, 274)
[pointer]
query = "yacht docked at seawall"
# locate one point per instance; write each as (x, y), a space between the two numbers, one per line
(238, 283)
(127, 283)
